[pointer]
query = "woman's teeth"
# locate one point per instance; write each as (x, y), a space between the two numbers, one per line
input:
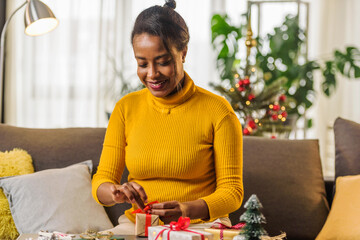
(158, 83)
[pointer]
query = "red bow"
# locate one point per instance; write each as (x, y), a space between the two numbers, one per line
(221, 226)
(146, 209)
(181, 225)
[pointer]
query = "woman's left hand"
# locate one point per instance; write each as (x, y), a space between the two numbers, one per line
(172, 210)
(169, 211)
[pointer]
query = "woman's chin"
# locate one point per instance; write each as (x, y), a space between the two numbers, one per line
(159, 94)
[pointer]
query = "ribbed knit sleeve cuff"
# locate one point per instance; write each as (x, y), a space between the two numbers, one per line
(221, 206)
(95, 185)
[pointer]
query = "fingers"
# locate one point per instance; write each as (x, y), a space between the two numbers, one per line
(141, 191)
(132, 193)
(166, 205)
(117, 195)
(168, 211)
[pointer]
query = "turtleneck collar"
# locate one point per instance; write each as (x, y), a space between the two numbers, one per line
(177, 98)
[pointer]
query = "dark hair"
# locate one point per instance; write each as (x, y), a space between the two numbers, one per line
(164, 22)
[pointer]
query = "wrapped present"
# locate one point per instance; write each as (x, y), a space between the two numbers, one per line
(223, 232)
(178, 231)
(144, 219)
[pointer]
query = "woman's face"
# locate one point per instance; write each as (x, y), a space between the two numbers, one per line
(157, 69)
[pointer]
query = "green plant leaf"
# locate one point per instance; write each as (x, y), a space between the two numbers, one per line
(329, 84)
(309, 123)
(348, 63)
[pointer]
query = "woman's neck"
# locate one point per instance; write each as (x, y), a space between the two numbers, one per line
(179, 86)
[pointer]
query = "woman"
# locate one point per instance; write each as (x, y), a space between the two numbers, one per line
(181, 144)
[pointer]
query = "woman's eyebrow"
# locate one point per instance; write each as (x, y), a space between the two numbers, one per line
(156, 58)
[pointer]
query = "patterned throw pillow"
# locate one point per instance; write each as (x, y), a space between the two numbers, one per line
(12, 163)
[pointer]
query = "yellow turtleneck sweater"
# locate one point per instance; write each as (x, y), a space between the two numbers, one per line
(184, 147)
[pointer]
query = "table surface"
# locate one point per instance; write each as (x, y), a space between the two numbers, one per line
(125, 237)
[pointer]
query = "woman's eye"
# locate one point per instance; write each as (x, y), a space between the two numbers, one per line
(165, 63)
(142, 65)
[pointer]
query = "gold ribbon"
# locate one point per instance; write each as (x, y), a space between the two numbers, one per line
(278, 237)
(92, 235)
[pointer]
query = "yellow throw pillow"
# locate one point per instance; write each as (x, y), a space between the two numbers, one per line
(12, 163)
(343, 220)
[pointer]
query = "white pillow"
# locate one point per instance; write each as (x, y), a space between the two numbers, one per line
(55, 200)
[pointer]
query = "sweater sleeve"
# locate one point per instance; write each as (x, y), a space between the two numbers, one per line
(228, 150)
(112, 160)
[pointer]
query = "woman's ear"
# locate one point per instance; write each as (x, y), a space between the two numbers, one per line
(183, 54)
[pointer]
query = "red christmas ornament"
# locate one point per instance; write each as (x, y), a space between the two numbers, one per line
(246, 131)
(274, 117)
(241, 89)
(273, 136)
(276, 107)
(246, 81)
(284, 114)
(282, 98)
(251, 96)
(252, 124)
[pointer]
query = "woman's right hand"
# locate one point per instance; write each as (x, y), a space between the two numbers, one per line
(131, 192)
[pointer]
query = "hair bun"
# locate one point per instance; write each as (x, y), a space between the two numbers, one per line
(170, 3)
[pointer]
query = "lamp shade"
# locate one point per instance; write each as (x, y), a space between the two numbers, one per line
(39, 19)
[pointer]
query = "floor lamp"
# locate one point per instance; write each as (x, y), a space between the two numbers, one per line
(39, 19)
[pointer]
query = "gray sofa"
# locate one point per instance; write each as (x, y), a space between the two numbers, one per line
(286, 175)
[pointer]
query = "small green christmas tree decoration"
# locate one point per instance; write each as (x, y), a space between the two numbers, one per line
(253, 219)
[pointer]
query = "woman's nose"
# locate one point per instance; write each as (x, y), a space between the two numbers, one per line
(151, 71)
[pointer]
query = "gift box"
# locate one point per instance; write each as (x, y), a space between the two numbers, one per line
(167, 233)
(228, 234)
(224, 232)
(143, 221)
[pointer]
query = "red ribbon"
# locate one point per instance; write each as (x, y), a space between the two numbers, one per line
(181, 225)
(146, 210)
(221, 226)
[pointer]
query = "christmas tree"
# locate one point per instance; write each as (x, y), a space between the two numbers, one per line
(253, 219)
(262, 108)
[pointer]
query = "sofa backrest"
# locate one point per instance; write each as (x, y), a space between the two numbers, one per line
(54, 148)
(286, 175)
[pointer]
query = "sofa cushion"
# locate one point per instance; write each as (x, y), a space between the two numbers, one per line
(347, 138)
(343, 220)
(286, 175)
(55, 200)
(12, 163)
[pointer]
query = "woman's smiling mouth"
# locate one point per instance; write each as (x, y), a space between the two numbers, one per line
(158, 85)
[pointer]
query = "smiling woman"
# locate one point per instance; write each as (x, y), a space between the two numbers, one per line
(181, 144)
